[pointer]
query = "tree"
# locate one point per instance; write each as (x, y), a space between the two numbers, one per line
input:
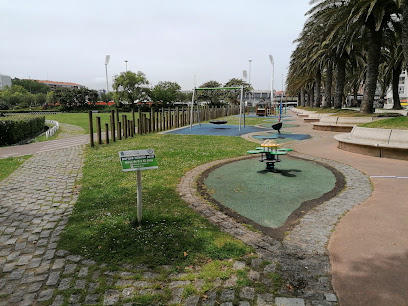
(165, 92)
(403, 5)
(212, 96)
(31, 86)
(233, 94)
(92, 96)
(130, 87)
(106, 97)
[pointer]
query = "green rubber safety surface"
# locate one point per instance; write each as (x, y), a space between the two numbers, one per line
(268, 198)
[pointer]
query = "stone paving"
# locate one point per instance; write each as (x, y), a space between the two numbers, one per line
(35, 203)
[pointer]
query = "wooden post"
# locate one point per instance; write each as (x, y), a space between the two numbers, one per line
(106, 133)
(119, 131)
(124, 122)
(91, 138)
(151, 120)
(112, 121)
(134, 120)
(139, 126)
(98, 129)
(119, 128)
(169, 119)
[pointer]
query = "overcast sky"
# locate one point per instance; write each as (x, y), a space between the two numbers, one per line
(169, 40)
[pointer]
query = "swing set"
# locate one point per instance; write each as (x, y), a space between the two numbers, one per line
(241, 113)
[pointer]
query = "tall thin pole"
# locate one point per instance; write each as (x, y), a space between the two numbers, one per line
(107, 58)
(273, 72)
(139, 196)
(240, 106)
(249, 78)
(126, 65)
(191, 109)
(280, 108)
(106, 70)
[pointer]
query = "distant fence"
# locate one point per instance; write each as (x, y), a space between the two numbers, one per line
(8, 113)
(50, 132)
(156, 120)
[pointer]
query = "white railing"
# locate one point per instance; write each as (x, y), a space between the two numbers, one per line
(52, 130)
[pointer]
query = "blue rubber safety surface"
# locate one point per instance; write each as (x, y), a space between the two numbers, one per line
(266, 117)
(217, 130)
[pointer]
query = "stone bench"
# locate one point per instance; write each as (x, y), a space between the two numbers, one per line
(390, 143)
(342, 124)
(302, 112)
(316, 117)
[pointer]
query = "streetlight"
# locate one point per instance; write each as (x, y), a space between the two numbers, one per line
(107, 59)
(273, 70)
(249, 78)
(126, 65)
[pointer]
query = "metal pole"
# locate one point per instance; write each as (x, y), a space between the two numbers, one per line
(107, 86)
(249, 80)
(139, 196)
(280, 108)
(191, 109)
(126, 64)
(240, 106)
(273, 72)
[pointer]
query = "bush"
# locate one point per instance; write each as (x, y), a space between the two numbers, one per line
(17, 128)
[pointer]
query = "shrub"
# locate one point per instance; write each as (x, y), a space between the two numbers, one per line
(17, 128)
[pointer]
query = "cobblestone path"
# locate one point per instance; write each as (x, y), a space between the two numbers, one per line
(35, 204)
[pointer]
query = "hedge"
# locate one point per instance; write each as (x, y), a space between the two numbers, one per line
(17, 128)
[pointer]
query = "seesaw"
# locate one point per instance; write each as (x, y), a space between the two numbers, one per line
(270, 152)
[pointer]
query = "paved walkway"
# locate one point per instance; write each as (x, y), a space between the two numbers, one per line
(45, 146)
(369, 248)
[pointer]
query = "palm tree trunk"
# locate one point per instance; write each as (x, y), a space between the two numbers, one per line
(318, 95)
(310, 96)
(340, 82)
(373, 61)
(404, 8)
(328, 86)
(354, 103)
(395, 82)
(302, 97)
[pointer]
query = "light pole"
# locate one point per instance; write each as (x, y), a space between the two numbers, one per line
(126, 65)
(273, 71)
(249, 78)
(107, 58)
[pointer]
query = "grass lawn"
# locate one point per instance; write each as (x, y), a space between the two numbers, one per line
(10, 164)
(82, 119)
(102, 225)
(393, 123)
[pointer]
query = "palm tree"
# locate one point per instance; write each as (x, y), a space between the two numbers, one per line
(374, 16)
(403, 5)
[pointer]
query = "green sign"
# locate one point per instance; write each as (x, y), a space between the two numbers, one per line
(138, 160)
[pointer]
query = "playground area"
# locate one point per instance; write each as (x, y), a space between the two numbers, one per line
(270, 202)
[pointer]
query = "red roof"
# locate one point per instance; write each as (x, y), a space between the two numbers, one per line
(58, 83)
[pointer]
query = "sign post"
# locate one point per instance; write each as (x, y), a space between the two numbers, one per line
(137, 160)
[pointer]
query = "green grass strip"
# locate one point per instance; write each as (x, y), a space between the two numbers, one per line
(400, 123)
(10, 164)
(102, 225)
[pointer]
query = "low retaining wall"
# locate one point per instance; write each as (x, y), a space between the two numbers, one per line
(342, 124)
(390, 143)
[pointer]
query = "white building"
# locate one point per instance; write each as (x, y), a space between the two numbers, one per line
(402, 90)
(5, 80)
